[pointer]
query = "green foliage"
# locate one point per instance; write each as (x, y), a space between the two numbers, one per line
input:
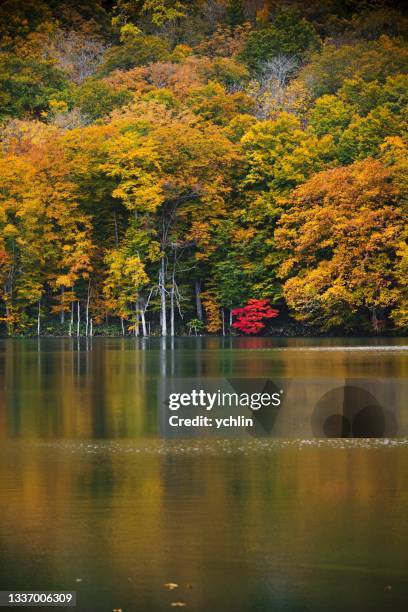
(366, 96)
(27, 84)
(162, 11)
(95, 99)
(331, 115)
(288, 35)
(159, 12)
(365, 60)
(136, 49)
(213, 103)
(281, 155)
(364, 135)
(228, 72)
(235, 12)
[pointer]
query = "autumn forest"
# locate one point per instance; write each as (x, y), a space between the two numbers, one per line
(174, 167)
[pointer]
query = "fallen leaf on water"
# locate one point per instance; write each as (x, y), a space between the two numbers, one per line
(117, 610)
(170, 585)
(178, 604)
(78, 579)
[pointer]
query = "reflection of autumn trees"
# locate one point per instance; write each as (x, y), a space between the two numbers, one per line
(109, 514)
(82, 392)
(108, 389)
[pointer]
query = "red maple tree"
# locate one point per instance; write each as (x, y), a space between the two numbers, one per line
(250, 317)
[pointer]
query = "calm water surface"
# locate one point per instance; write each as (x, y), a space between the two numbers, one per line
(92, 499)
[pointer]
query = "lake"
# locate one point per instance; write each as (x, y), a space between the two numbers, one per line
(95, 499)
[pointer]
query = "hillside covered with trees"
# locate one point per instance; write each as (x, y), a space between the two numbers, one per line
(165, 162)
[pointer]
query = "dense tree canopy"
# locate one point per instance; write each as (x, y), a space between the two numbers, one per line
(164, 164)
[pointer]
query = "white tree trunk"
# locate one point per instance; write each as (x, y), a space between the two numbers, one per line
(144, 328)
(39, 318)
(71, 323)
(87, 309)
(173, 283)
(137, 310)
(62, 313)
(78, 317)
(162, 285)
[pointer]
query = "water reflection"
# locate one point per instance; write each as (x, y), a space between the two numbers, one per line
(99, 388)
(91, 500)
(271, 529)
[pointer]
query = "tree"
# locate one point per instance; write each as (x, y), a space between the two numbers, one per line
(166, 166)
(250, 318)
(268, 90)
(78, 54)
(367, 60)
(96, 99)
(213, 103)
(281, 155)
(235, 12)
(173, 177)
(365, 96)
(364, 135)
(289, 35)
(20, 17)
(160, 12)
(124, 279)
(136, 49)
(45, 239)
(343, 237)
(27, 84)
(331, 115)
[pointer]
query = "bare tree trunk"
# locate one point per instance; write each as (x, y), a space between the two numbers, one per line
(142, 315)
(223, 321)
(173, 287)
(62, 313)
(172, 311)
(230, 319)
(143, 310)
(71, 323)
(144, 328)
(122, 325)
(374, 319)
(137, 309)
(91, 328)
(78, 317)
(39, 318)
(162, 285)
(199, 305)
(87, 309)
